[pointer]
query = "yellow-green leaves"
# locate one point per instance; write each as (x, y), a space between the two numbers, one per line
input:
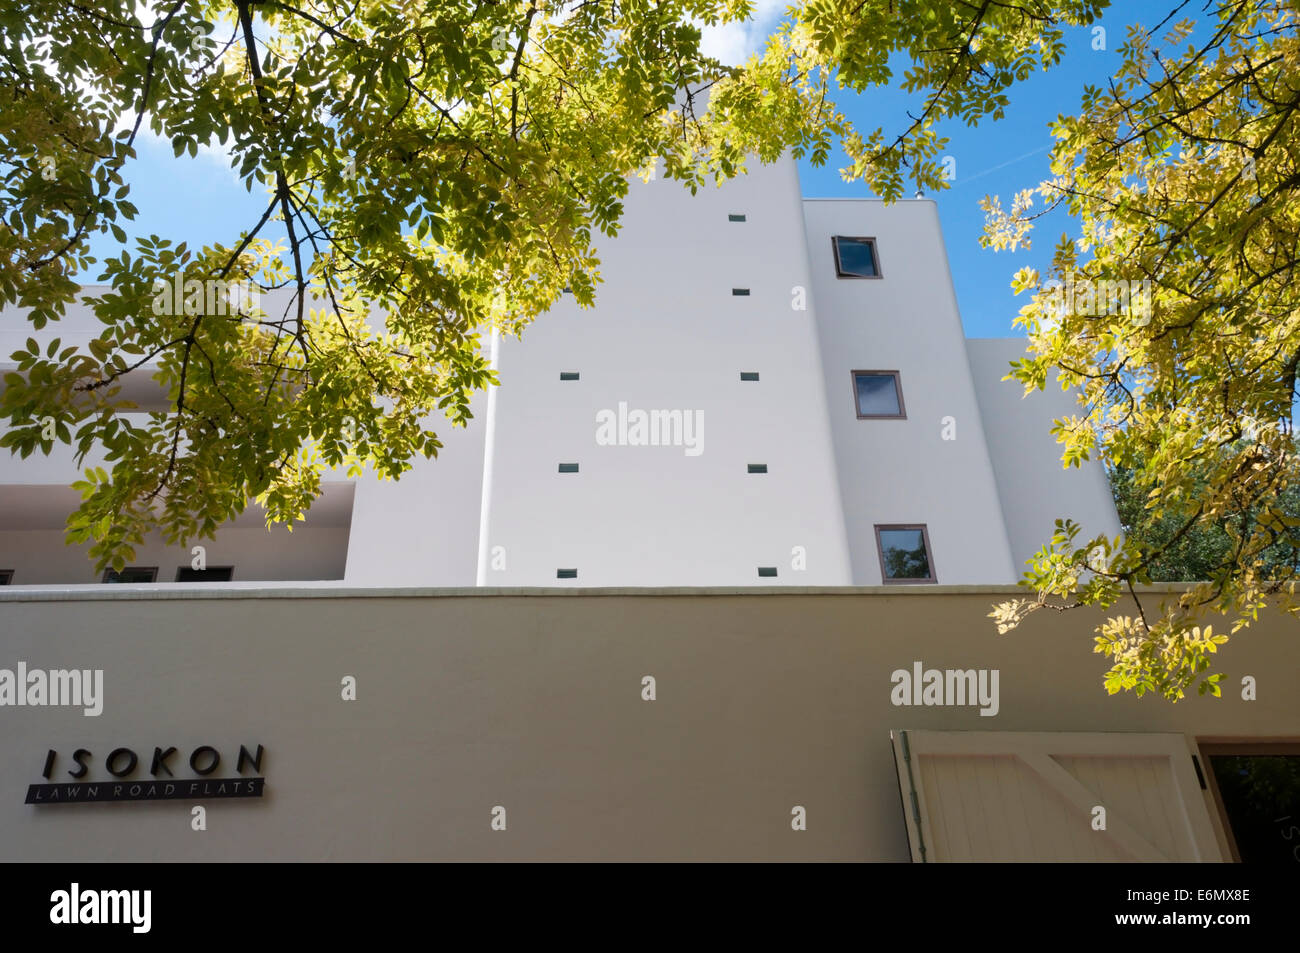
(1174, 308)
(437, 170)
(960, 60)
(1166, 657)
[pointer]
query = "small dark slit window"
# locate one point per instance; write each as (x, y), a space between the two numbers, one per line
(749, 375)
(568, 375)
(740, 292)
(568, 468)
(132, 574)
(6, 576)
(211, 574)
(765, 571)
(758, 468)
(735, 218)
(566, 574)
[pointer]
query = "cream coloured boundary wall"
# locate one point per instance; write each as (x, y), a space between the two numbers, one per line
(531, 699)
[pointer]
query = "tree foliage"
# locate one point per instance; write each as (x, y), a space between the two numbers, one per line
(437, 169)
(958, 60)
(1181, 175)
(1199, 551)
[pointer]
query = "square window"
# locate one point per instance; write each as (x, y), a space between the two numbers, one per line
(211, 574)
(904, 553)
(6, 576)
(878, 394)
(855, 257)
(132, 574)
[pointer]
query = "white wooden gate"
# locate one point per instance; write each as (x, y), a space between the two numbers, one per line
(1030, 796)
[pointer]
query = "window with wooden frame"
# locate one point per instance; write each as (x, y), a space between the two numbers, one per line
(855, 257)
(878, 395)
(905, 555)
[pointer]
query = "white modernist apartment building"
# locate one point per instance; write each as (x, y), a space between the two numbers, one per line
(771, 390)
(707, 578)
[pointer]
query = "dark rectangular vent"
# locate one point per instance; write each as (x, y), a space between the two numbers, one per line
(211, 574)
(735, 218)
(132, 574)
(749, 375)
(758, 468)
(740, 292)
(568, 468)
(568, 375)
(765, 571)
(566, 574)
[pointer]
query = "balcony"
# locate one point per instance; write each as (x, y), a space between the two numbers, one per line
(32, 517)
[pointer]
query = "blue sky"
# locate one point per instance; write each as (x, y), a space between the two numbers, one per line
(995, 158)
(200, 200)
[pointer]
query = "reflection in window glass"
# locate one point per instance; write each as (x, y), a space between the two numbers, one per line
(855, 257)
(903, 553)
(877, 395)
(1261, 796)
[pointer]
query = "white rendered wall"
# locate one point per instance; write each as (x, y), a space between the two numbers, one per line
(1036, 489)
(77, 326)
(422, 530)
(903, 471)
(667, 334)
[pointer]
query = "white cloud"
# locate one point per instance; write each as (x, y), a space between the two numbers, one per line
(733, 43)
(214, 156)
